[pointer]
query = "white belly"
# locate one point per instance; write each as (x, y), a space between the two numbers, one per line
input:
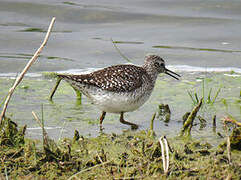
(115, 102)
(118, 102)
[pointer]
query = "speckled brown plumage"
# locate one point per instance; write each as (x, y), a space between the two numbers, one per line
(119, 78)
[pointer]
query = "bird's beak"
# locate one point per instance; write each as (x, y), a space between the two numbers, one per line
(172, 74)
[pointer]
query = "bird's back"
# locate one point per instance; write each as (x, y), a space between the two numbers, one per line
(119, 78)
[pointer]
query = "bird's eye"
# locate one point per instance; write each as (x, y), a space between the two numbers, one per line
(162, 64)
(156, 64)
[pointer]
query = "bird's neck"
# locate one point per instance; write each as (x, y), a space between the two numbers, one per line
(151, 72)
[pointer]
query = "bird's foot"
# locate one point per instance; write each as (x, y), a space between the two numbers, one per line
(134, 127)
(101, 128)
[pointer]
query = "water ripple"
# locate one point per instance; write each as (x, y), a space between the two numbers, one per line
(196, 49)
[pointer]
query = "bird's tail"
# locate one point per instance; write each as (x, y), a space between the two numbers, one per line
(63, 76)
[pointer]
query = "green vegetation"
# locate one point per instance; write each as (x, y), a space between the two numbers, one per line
(131, 155)
(188, 122)
(207, 99)
(33, 30)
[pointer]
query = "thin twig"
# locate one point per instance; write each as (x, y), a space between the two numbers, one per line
(40, 123)
(118, 50)
(232, 120)
(102, 164)
(21, 75)
(46, 140)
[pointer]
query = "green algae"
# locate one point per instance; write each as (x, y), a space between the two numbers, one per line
(33, 30)
(49, 75)
(131, 155)
(164, 112)
(10, 134)
(234, 138)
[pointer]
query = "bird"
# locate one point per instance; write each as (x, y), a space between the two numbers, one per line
(120, 88)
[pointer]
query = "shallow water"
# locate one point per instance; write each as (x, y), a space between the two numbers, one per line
(194, 33)
(65, 114)
(196, 38)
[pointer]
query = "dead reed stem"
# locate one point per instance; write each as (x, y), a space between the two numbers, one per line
(165, 153)
(21, 75)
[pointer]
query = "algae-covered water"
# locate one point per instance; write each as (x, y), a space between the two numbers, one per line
(65, 114)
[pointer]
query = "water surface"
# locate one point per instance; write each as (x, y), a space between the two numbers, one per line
(207, 33)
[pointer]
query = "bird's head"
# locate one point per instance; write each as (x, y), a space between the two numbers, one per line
(158, 64)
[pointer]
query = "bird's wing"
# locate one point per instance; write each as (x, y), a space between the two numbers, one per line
(120, 78)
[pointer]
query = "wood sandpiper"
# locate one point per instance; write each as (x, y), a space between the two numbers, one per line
(120, 88)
